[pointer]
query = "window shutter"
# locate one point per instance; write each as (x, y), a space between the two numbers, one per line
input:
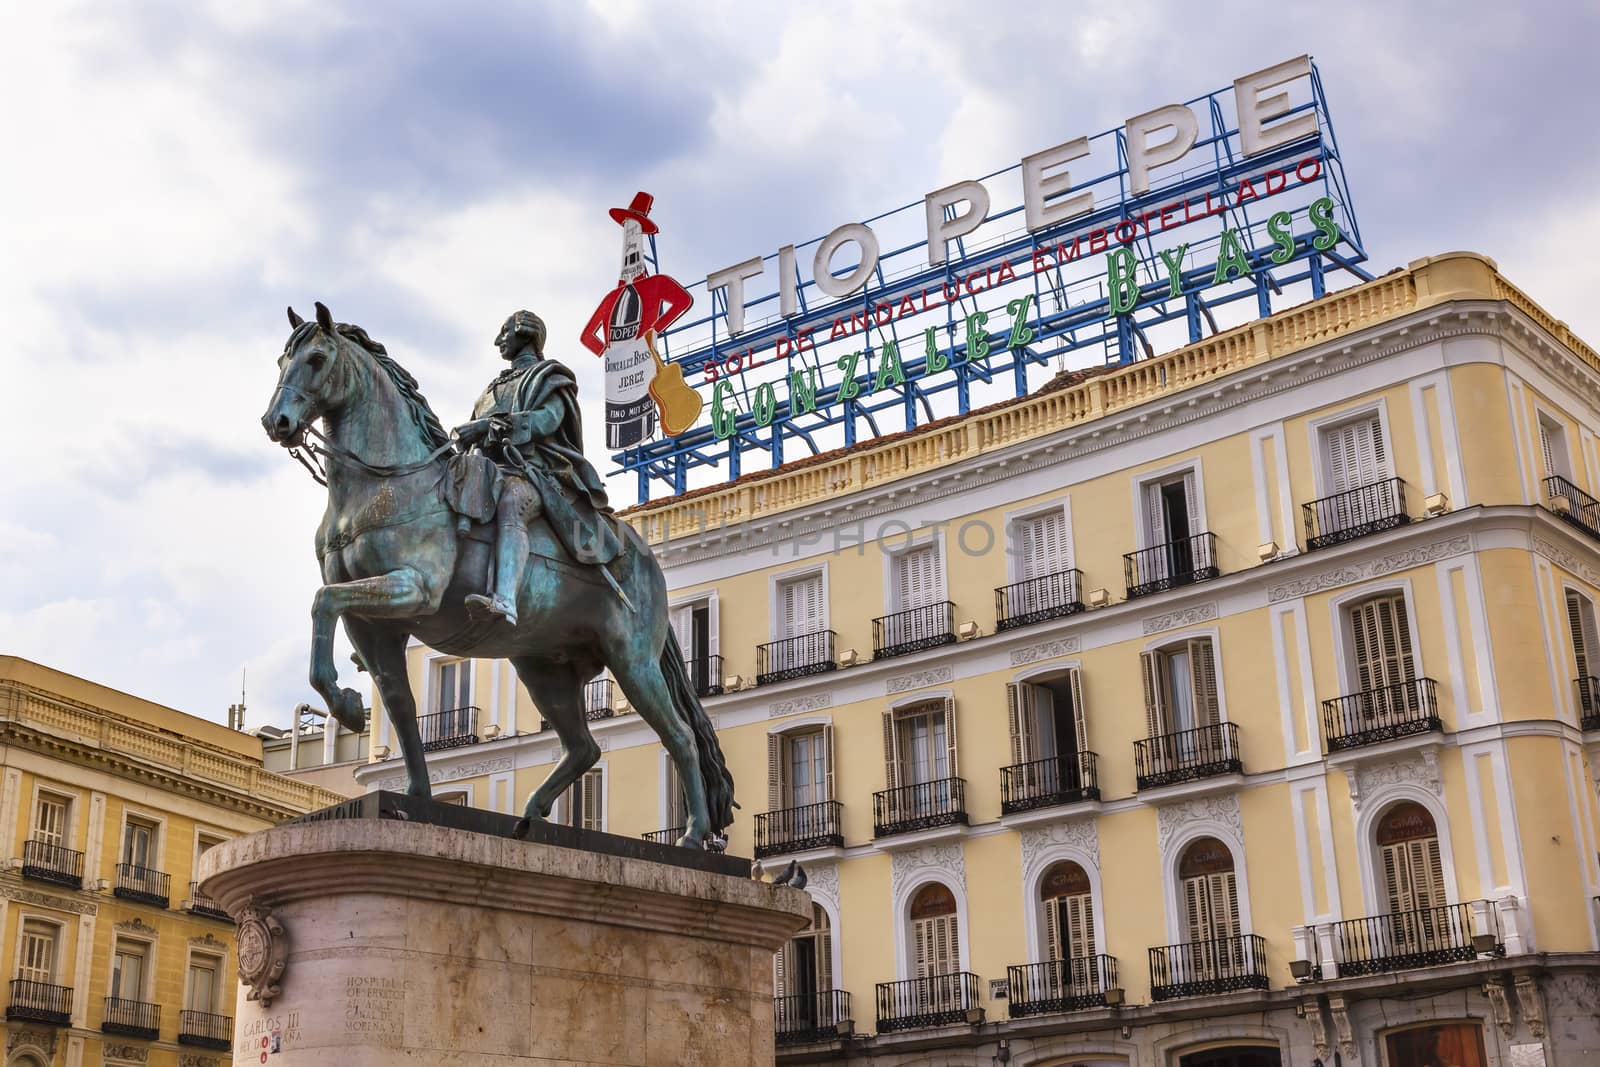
(891, 765)
(1546, 450)
(1435, 872)
(775, 769)
(917, 572)
(1364, 629)
(827, 762)
(1426, 872)
(920, 931)
(1580, 617)
(1396, 879)
(1020, 711)
(950, 736)
(1052, 930)
(1191, 498)
(1080, 719)
(1155, 512)
(824, 943)
(682, 622)
(1043, 542)
(801, 603)
(1203, 677)
(1228, 897)
(780, 968)
(1194, 910)
(1150, 669)
(1085, 943)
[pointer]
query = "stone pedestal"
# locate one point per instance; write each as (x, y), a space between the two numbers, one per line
(386, 941)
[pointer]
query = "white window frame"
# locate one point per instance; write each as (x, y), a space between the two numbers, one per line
(73, 799)
(1344, 653)
(1316, 433)
(147, 978)
(1033, 907)
(220, 961)
(1374, 893)
(1034, 511)
(905, 947)
(157, 846)
(1169, 473)
(1172, 884)
(809, 724)
(891, 558)
(561, 813)
(1548, 422)
(433, 662)
(45, 919)
(1171, 640)
(775, 600)
(709, 599)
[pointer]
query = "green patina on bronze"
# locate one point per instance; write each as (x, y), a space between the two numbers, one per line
(492, 542)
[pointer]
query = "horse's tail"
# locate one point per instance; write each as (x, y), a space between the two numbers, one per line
(713, 769)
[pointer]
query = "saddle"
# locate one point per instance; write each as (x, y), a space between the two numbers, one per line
(472, 488)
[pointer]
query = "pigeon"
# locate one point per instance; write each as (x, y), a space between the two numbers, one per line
(800, 879)
(788, 873)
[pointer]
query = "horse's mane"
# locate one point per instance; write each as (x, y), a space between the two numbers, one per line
(427, 422)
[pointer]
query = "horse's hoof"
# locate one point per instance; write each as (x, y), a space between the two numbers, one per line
(522, 829)
(349, 711)
(688, 841)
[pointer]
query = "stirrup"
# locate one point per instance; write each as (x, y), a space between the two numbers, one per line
(480, 605)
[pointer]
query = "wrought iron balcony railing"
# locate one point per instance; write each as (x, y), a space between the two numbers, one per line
(1187, 756)
(1050, 596)
(455, 728)
(599, 699)
(1382, 714)
(668, 836)
(919, 807)
(202, 1029)
(1355, 513)
(795, 657)
(131, 1018)
(1573, 505)
(705, 674)
(45, 862)
(142, 884)
(1588, 701)
(1421, 938)
(938, 1000)
(1047, 783)
(797, 829)
(806, 1017)
(201, 904)
(40, 1002)
(913, 630)
(1203, 968)
(1182, 562)
(1061, 985)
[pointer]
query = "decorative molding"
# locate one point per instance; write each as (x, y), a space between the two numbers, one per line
(901, 683)
(1081, 834)
(1187, 617)
(915, 864)
(207, 941)
(822, 880)
(1222, 807)
(40, 1038)
(1317, 1023)
(460, 771)
(1556, 554)
(136, 925)
(1532, 1004)
(49, 900)
(125, 1053)
(1376, 568)
(1061, 646)
(796, 705)
(1499, 1004)
(188, 1059)
(1368, 778)
(263, 952)
(1340, 1010)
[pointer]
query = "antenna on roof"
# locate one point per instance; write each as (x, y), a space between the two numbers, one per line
(236, 711)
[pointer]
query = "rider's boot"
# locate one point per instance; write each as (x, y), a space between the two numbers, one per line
(511, 559)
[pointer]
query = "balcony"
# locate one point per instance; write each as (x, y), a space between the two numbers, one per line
(798, 829)
(923, 806)
(1588, 701)
(1168, 566)
(669, 836)
(1422, 938)
(913, 630)
(599, 699)
(455, 728)
(40, 1002)
(938, 1000)
(803, 1018)
(705, 675)
(1051, 596)
(201, 904)
(44, 862)
(795, 657)
(1205, 968)
(142, 884)
(201, 1029)
(1573, 505)
(1062, 985)
(131, 1018)
(1187, 756)
(1346, 516)
(1383, 714)
(1049, 783)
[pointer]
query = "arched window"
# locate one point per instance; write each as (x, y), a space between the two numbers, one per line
(805, 964)
(1068, 912)
(1413, 874)
(933, 932)
(1210, 896)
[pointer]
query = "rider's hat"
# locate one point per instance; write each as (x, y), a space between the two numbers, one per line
(638, 211)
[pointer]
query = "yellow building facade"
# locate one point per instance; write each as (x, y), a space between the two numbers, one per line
(113, 955)
(1233, 708)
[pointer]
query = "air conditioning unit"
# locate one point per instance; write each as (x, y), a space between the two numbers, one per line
(1561, 505)
(849, 658)
(491, 731)
(1099, 598)
(1267, 551)
(380, 752)
(733, 683)
(1438, 504)
(968, 630)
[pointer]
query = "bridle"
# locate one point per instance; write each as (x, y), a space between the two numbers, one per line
(315, 455)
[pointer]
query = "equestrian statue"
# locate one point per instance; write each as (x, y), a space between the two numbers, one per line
(494, 541)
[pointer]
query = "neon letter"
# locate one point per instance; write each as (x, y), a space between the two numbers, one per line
(822, 266)
(940, 229)
(722, 416)
(732, 278)
(1037, 187)
(889, 369)
(1255, 110)
(1142, 155)
(1278, 230)
(1121, 286)
(1175, 268)
(933, 358)
(1230, 256)
(977, 336)
(849, 388)
(1322, 218)
(1021, 332)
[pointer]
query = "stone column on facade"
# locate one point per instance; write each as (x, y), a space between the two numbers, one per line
(1326, 953)
(80, 971)
(1512, 931)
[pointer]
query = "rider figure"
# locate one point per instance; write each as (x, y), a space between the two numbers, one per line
(527, 421)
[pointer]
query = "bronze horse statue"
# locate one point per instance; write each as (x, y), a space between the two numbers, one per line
(398, 562)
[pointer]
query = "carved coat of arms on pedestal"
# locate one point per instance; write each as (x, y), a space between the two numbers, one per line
(263, 952)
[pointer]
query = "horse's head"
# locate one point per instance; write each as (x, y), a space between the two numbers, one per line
(310, 378)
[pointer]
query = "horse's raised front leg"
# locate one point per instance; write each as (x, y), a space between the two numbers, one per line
(559, 694)
(399, 594)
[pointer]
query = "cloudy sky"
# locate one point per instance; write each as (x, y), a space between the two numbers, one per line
(176, 174)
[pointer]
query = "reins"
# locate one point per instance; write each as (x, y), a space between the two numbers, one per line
(312, 459)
